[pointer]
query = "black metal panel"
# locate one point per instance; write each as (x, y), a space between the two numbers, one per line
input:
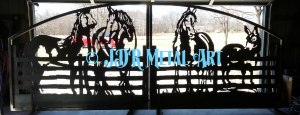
(88, 1)
(215, 87)
(27, 71)
(200, 2)
(30, 70)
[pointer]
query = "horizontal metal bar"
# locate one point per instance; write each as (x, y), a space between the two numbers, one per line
(266, 58)
(195, 2)
(218, 68)
(140, 78)
(240, 86)
(132, 87)
(89, 78)
(217, 77)
(88, 1)
(91, 68)
(83, 58)
(94, 68)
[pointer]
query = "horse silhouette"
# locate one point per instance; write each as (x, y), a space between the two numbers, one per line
(73, 44)
(70, 48)
(119, 26)
(34, 68)
(203, 41)
(187, 35)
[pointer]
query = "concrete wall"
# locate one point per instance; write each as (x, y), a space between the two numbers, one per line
(9, 7)
(285, 22)
(13, 14)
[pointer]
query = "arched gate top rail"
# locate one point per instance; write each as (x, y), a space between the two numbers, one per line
(116, 4)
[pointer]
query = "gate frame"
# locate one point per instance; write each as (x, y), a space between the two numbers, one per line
(148, 38)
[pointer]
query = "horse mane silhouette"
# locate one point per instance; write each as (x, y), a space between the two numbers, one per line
(182, 32)
(119, 26)
(73, 43)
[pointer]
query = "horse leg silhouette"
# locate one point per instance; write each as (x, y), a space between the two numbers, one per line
(225, 72)
(231, 52)
(204, 81)
(86, 82)
(98, 38)
(100, 76)
(199, 80)
(176, 87)
(72, 74)
(189, 88)
(223, 75)
(251, 72)
(243, 71)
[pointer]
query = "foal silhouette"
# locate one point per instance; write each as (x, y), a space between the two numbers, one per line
(234, 55)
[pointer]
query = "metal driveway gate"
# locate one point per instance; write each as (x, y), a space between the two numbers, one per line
(109, 69)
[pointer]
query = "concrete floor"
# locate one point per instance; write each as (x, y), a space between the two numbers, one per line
(153, 112)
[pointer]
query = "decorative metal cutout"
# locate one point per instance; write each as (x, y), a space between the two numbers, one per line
(233, 56)
(185, 29)
(239, 53)
(215, 87)
(119, 26)
(215, 81)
